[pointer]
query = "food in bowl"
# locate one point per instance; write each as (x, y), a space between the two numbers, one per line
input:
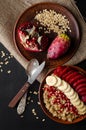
(60, 96)
(31, 39)
(58, 104)
(33, 36)
(53, 21)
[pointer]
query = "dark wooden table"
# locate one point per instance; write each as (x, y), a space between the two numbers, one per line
(12, 77)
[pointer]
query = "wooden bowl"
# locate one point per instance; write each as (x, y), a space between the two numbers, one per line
(29, 14)
(43, 105)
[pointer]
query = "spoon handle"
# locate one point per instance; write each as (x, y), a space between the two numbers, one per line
(22, 104)
(18, 96)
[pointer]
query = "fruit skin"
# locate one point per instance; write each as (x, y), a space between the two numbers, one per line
(59, 46)
(81, 80)
(81, 86)
(66, 74)
(82, 91)
(70, 76)
(84, 98)
(58, 71)
(31, 39)
(65, 70)
(75, 78)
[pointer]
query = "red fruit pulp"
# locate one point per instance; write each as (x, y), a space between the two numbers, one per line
(31, 39)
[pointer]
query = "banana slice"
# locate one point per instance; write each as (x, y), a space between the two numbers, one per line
(70, 93)
(80, 106)
(59, 81)
(68, 88)
(74, 97)
(63, 86)
(82, 111)
(76, 102)
(51, 80)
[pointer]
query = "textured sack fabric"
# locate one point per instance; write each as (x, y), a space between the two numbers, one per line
(10, 10)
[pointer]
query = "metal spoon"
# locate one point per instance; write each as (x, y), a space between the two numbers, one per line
(30, 79)
(33, 64)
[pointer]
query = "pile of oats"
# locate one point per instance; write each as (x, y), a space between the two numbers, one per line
(53, 21)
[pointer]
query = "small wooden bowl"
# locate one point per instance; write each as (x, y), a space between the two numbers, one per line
(29, 14)
(43, 105)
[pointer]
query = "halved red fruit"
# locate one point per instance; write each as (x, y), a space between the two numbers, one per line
(31, 39)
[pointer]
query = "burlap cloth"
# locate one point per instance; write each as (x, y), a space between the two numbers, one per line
(10, 10)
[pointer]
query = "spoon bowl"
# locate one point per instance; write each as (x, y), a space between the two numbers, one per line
(31, 67)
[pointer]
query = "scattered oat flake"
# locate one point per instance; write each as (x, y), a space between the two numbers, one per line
(35, 92)
(28, 98)
(30, 91)
(34, 112)
(1, 70)
(27, 102)
(37, 117)
(31, 100)
(2, 54)
(5, 59)
(1, 63)
(38, 103)
(9, 71)
(6, 62)
(21, 116)
(43, 120)
(9, 57)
